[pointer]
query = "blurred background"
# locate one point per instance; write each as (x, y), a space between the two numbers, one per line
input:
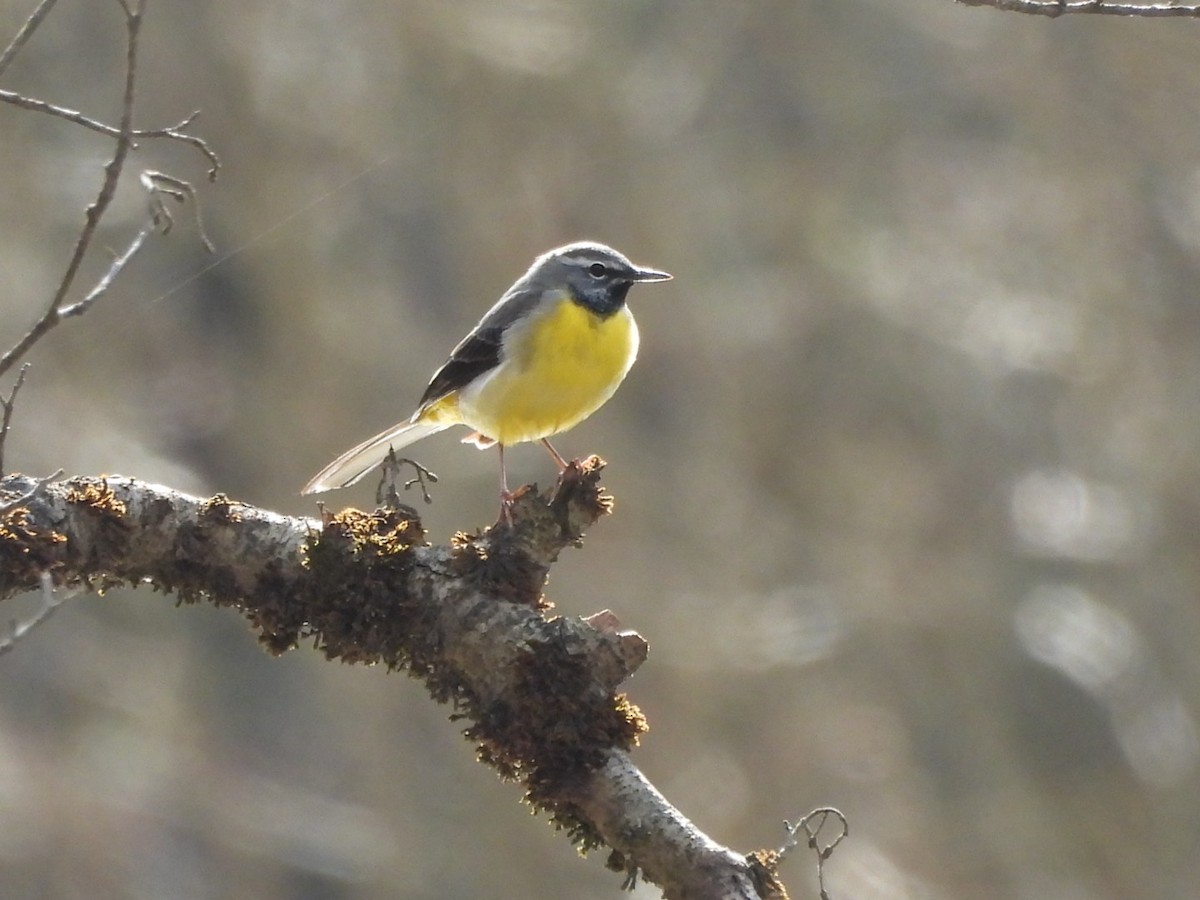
(908, 497)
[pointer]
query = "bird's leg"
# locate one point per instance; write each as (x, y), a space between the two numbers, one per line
(554, 454)
(506, 496)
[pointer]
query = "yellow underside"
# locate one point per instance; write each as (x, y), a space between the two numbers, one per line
(559, 367)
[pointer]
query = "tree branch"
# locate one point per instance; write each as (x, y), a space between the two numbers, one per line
(6, 410)
(156, 183)
(173, 132)
(51, 600)
(467, 619)
(1056, 8)
(108, 188)
(24, 33)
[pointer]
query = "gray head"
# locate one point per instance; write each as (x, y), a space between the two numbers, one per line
(597, 276)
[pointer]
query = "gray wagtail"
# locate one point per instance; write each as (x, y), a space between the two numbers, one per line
(551, 351)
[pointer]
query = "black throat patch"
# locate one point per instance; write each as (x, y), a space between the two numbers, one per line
(602, 299)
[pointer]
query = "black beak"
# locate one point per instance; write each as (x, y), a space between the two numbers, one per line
(649, 275)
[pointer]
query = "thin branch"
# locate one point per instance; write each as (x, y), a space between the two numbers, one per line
(161, 219)
(173, 132)
(824, 851)
(7, 404)
(157, 184)
(386, 495)
(1056, 8)
(160, 184)
(105, 282)
(93, 214)
(51, 600)
(25, 32)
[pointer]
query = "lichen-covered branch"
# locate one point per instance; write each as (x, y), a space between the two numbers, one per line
(468, 619)
(657, 839)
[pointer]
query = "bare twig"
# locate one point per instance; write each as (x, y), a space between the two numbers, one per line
(51, 600)
(1056, 8)
(112, 174)
(174, 132)
(819, 817)
(105, 282)
(159, 183)
(7, 405)
(26, 30)
(156, 184)
(386, 494)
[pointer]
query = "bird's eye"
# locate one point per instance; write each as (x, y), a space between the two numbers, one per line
(597, 270)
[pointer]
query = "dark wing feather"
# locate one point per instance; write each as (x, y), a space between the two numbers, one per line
(480, 351)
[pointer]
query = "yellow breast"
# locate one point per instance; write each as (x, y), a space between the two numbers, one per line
(558, 367)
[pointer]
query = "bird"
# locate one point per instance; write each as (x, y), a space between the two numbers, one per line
(551, 351)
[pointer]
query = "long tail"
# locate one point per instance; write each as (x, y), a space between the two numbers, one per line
(358, 461)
